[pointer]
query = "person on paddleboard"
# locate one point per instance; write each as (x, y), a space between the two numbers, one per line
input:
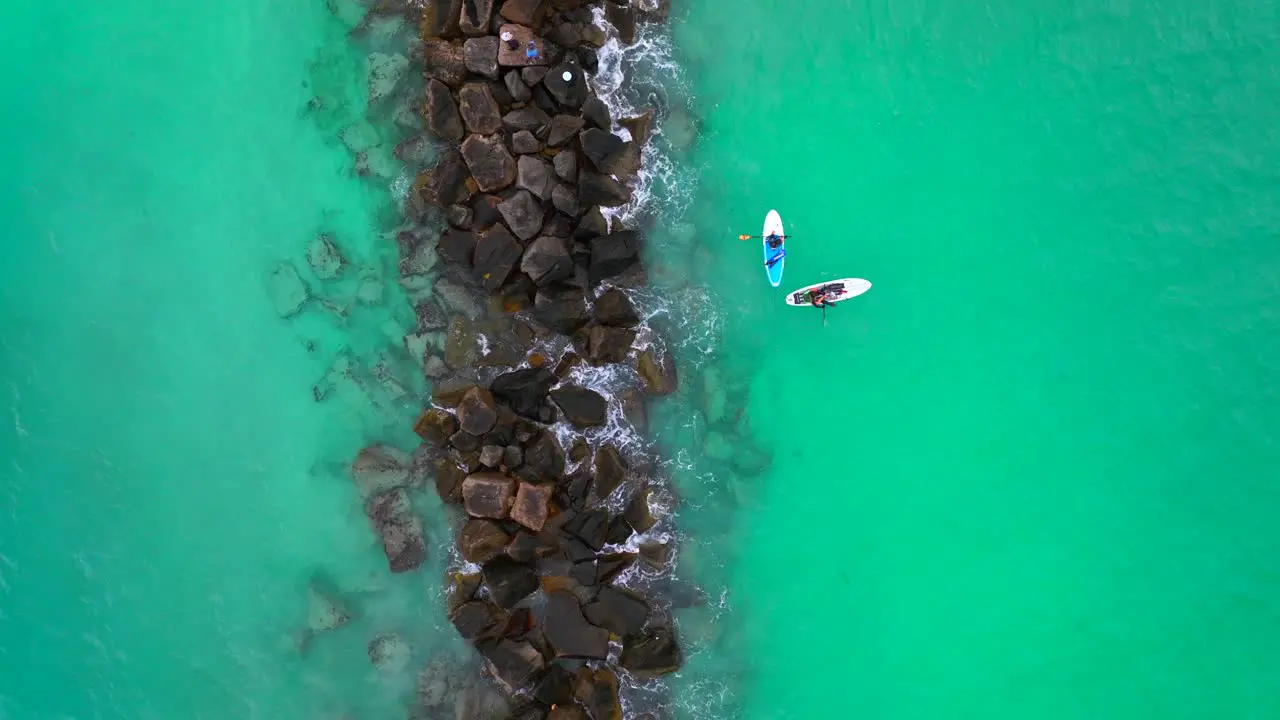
(774, 242)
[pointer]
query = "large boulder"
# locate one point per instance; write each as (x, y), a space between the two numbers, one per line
(547, 260)
(599, 146)
(623, 18)
(535, 175)
(479, 110)
(401, 531)
(522, 212)
(379, 468)
(596, 113)
(565, 200)
(444, 61)
(481, 540)
(448, 476)
(457, 247)
(569, 633)
(515, 87)
(476, 619)
(610, 471)
(475, 17)
(581, 406)
(590, 527)
(652, 653)
(567, 84)
(435, 426)
(563, 127)
(597, 690)
(524, 12)
(524, 142)
(592, 225)
(443, 119)
(609, 344)
(566, 165)
(489, 162)
(532, 505)
(599, 189)
(480, 54)
(444, 184)
(639, 513)
(524, 391)
(658, 372)
(488, 495)
(544, 457)
(440, 18)
(613, 254)
(508, 581)
(530, 118)
(619, 611)
(497, 253)
(613, 307)
(561, 308)
(513, 663)
(477, 412)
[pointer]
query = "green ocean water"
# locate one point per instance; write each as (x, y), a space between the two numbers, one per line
(1032, 472)
(1029, 474)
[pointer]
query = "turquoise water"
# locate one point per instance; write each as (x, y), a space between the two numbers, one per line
(1030, 473)
(1027, 475)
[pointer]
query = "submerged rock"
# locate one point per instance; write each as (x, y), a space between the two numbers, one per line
(401, 530)
(385, 72)
(324, 610)
(658, 372)
(288, 292)
(389, 653)
(379, 468)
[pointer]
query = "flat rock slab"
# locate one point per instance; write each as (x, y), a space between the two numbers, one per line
(488, 495)
(532, 505)
(479, 109)
(480, 54)
(524, 49)
(569, 633)
(489, 162)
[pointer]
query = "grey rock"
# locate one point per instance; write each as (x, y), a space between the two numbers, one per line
(613, 307)
(525, 143)
(599, 189)
(475, 17)
(566, 165)
(497, 254)
(523, 214)
(547, 260)
(516, 87)
(489, 162)
(535, 175)
(563, 127)
(564, 199)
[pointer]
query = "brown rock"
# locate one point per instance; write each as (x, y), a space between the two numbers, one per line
(476, 619)
(515, 55)
(435, 426)
(598, 690)
(440, 18)
(401, 531)
(619, 611)
(659, 374)
(479, 110)
(475, 17)
(477, 412)
(525, 12)
(531, 505)
(444, 61)
(443, 119)
(653, 653)
(480, 54)
(488, 495)
(610, 471)
(448, 477)
(639, 512)
(489, 162)
(481, 540)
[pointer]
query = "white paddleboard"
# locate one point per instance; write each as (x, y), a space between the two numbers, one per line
(837, 291)
(773, 226)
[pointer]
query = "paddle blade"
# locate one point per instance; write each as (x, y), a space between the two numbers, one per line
(744, 237)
